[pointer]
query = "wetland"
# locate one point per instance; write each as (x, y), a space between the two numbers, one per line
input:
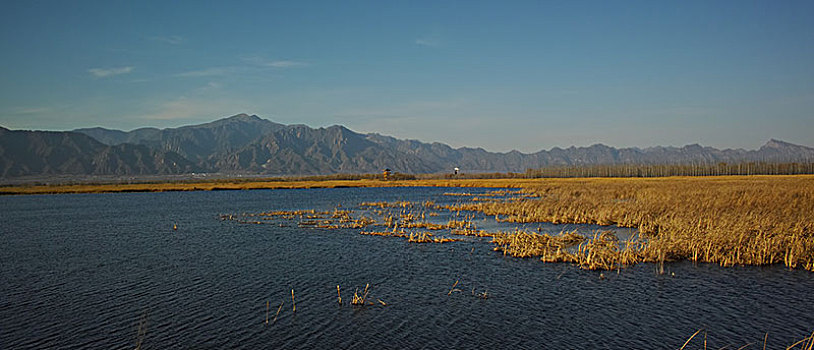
(617, 265)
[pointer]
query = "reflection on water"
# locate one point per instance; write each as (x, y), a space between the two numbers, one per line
(85, 270)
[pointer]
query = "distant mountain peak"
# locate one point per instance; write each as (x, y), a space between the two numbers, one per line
(243, 116)
(237, 118)
(775, 143)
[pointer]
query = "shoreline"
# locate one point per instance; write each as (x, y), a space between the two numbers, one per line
(250, 185)
(227, 185)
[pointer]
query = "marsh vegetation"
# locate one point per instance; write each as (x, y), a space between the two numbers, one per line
(723, 220)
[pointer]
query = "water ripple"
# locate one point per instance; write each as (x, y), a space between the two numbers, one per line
(85, 275)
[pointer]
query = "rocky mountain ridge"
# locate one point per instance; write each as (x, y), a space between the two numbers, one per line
(248, 144)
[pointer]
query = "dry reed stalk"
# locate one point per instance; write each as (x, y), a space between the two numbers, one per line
(765, 338)
(141, 331)
(453, 288)
(807, 343)
(267, 311)
(365, 296)
(688, 340)
(338, 295)
(292, 301)
(278, 311)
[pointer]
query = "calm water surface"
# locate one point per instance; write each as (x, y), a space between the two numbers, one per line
(82, 271)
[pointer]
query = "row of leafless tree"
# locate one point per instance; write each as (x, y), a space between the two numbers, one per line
(661, 170)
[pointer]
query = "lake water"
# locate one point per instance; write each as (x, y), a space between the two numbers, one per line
(84, 270)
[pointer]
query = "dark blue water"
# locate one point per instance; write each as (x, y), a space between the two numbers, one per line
(82, 271)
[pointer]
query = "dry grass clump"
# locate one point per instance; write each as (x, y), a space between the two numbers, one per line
(399, 234)
(426, 237)
(550, 248)
(383, 205)
(755, 220)
(311, 218)
(412, 237)
(395, 218)
(360, 300)
(602, 252)
(471, 232)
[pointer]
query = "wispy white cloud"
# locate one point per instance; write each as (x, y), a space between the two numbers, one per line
(263, 62)
(197, 104)
(252, 64)
(429, 41)
(208, 72)
(189, 108)
(206, 88)
(285, 64)
(109, 72)
(425, 108)
(30, 110)
(172, 39)
(181, 108)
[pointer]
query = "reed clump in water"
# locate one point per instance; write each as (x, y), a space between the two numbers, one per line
(360, 300)
(473, 232)
(604, 252)
(730, 220)
(400, 234)
(336, 219)
(383, 205)
(524, 244)
(426, 237)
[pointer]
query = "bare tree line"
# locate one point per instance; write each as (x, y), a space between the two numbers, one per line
(661, 170)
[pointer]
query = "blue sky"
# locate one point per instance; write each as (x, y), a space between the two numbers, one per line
(498, 75)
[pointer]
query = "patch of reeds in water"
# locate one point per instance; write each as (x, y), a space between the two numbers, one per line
(394, 223)
(360, 299)
(724, 220)
(602, 252)
(335, 219)
(426, 237)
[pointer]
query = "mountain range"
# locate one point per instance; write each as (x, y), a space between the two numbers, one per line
(248, 144)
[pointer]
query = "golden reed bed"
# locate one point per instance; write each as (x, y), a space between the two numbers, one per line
(740, 220)
(729, 220)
